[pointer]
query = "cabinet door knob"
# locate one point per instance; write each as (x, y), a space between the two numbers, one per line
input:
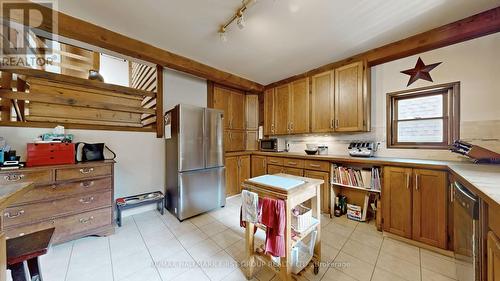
(407, 180)
(416, 182)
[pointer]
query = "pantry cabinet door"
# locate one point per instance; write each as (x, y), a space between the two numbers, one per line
(282, 108)
(429, 207)
(269, 111)
(252, 112)
(221, 99)
(322, 103)
(325, 188)
(397, 201)
(237, 139)
(237, 106)
(299, 106)
(349, 103)
(232, 179)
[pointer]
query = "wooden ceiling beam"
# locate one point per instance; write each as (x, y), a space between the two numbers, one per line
(475, 26)
(80, 30)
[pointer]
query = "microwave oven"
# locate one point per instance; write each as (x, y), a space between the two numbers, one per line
(274, 145)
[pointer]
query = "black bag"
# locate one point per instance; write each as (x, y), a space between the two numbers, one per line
(92, 152)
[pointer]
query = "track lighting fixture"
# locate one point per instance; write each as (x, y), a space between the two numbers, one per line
(239, 16)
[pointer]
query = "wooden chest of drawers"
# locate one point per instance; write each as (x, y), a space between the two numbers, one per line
(76, 199)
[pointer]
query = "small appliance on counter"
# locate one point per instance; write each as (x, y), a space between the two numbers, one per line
(272, 145)
(322, 149)
(362, 149)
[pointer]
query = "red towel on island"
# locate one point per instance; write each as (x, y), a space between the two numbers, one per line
(274, 218)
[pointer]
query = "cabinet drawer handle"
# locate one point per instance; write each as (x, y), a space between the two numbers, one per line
(88, 220)
(292, 163)
(87, 184)
(13, 177)
(86, 200)
(407, 180)
(86, 170)
(416, 182)
(273, 161)
(315, 165)
(12, 216)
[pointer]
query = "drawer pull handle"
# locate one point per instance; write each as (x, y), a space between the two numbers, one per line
(13, 177)
(315, 165)
(85, 221)
(293, 163)
(12, 216)
(86, 170)
(87, 200)
(273, 161)
(87, 184)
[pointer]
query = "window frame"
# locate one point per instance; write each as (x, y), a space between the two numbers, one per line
(451, 115)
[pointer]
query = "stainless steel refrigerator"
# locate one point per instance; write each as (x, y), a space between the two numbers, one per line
(194, 160)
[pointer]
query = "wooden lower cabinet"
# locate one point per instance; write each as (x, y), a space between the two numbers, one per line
(414, 204)
(76, 199)
(237, 171)
(429, 207)
(325, 188)
(259, 166)
(273, 169)
(231, 164)
(397, 200)
(493, 257)
(293, 171)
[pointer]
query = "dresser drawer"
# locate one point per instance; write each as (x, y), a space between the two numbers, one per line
(31, 213)
(275, 161)
(317, 165)
(294, 163)
(54, 191)
(36, 176)
(82, 172)
(65, 227)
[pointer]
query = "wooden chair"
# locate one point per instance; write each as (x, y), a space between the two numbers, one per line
(27, 249)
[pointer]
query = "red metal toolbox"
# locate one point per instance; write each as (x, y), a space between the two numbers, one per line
(40, 154)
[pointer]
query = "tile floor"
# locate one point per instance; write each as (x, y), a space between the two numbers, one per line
(151, 247)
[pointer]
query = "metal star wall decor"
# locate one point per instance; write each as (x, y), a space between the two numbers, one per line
(421, 71)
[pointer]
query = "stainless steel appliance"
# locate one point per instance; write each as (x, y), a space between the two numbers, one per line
(194, 160)
(273, 145)
(362, 149)
(466, 233)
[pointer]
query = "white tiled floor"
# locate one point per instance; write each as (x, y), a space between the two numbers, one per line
(151, 247)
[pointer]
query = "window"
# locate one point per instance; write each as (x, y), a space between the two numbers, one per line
(423, 118)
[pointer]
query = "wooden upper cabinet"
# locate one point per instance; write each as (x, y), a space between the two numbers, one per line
(237, 108)
(237, 140)
(232, 102)
(252, 112)
(429, 207)
(221, 99)
(281, 109)
(269, 104)
(397, 200)
(350, 109)
(299, 107)
(322, 103)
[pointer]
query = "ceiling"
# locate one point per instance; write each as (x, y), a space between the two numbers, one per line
(282, 37)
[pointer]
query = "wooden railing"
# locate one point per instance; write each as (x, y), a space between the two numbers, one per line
(35, 98)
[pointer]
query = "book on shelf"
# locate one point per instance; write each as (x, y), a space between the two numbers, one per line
(357, 177)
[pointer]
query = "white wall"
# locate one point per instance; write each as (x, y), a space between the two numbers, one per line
(475, 63)
(140, 156)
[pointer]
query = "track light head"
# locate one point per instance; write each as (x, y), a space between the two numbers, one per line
(241, 21)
